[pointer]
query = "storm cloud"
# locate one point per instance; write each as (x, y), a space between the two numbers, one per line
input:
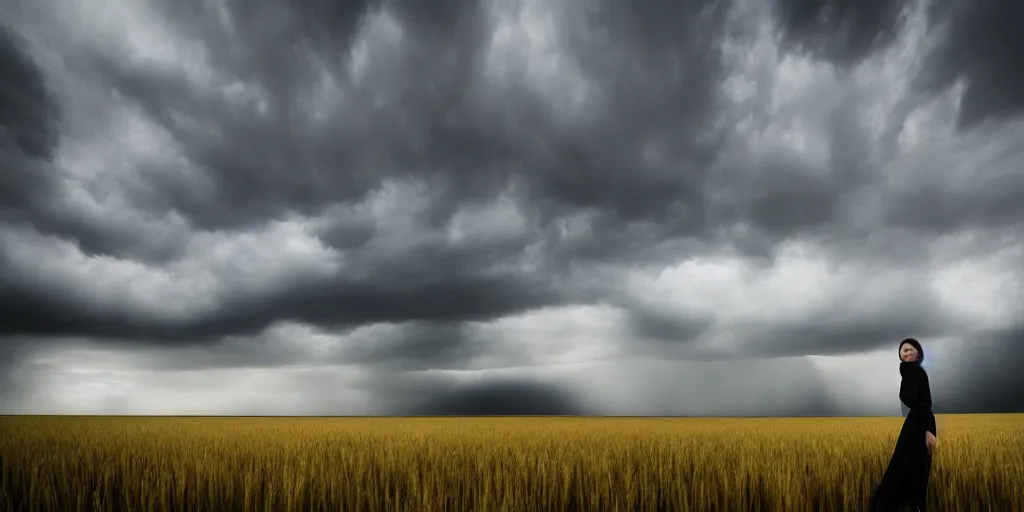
(500, 398)
(844, 31)
(487, 207)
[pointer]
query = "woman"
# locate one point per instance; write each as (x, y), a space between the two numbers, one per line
(905, 482)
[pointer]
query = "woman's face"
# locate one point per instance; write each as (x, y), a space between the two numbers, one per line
(908, 353)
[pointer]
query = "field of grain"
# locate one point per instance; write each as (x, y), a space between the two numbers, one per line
(491, 464)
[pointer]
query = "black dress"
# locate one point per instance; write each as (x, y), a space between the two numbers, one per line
(905, 482)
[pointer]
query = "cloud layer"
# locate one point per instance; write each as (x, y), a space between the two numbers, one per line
(481, 207)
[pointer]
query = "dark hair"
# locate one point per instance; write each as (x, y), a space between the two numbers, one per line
(916, 344)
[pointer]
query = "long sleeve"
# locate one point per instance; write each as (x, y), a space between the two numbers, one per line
(913, 389)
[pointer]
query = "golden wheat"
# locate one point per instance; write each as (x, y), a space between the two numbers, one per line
(491, 464)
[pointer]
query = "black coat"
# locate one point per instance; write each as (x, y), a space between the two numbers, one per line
(905, 481)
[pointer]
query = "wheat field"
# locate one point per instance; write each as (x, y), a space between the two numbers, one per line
(491, 464)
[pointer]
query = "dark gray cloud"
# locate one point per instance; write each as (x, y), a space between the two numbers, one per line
(346, 304)
(28, 128)
(29, 109)
(30, 124)
(432, 121)
(664, 326)
(981, 44)
(806, 338)
(786, 196)
(332, 304)
(447, 171)
(500, 398)
(843, 31)
(987, 380)
(434, 345)
(262, 166)
(266, 163)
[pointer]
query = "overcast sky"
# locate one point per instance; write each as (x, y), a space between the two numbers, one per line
(618, 207)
